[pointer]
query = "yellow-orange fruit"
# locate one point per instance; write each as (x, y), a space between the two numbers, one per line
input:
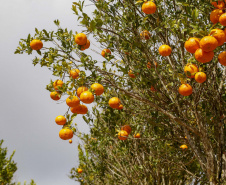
(145, 35)
(122, 135)
(72, 101)
(131, 74)
(66, 133)
(60, 120)
(222, 58)
(87, 97)
(203, 56)
(70, 141)
(57, 83)
(98, 88)
(86, 46)
(200, 77)
(55, 95)
(149, 64)
(192, 44)
(183, 147)
(80, 90)
(120, 107)
(36, 44)
(80, 39)
(219, 35)
(137, 135)
(165, 50)
(208, 43)
(222, 19)
(149, 7)
(215, 15)
(74, 73)
(192, 69)
(127, 128)
(104, 51)
(79, 170)
(114, 102)
(185, 90)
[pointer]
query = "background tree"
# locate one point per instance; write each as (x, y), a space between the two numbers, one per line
(152, 73)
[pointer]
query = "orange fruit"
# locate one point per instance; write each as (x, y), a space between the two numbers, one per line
(184, 147)
(83, 109)
(55, 95)
(79, 170)
(185, 90)
(145, 35)
(153, 89)
(200, 77)
(104, 51)
(192, 69)
(74, 73)
(149, 64)
(66, 133)
(98, 88)
(87, 97)
(222, 58)
(122, 135)
(80, 90)
(165, 50)
(114, 102)
(131, 75)
(86, 46)
(208, 43)
(149, 7)
(57, 83)
(120, 107)
(219, 35)
(137, 135)
(192, 44)
(222, 19)
(127, 128)
(76, 109)
(215, 15)
(36, 44)
(219, 4)
(60, 120)
(70, 141)
(72, 101)
(80, 39)
(203, 56)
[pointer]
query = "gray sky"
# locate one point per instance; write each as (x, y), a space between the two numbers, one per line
(26, 111)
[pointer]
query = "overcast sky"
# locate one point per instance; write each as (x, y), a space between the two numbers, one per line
(26, 111)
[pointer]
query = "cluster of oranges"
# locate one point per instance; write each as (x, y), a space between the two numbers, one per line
(125, 131)
(82, 41)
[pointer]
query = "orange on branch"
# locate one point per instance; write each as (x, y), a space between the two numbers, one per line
(203, 56)
(57, 83)
(120, 107)
(185, 90)
(60, 120)
(122, 135)
(66, 133)
(219, 35)
(55, 95)
(98, 88)
(72, 101)
(192, 69)
(149, 7)
(183, 147)
(80, 90)
(127, 128)
(222, 19)
(104, 51)
(200, 77)
(86, 46)
(114, 102)
(74, 73)
(79, 170)
(208, 43)
(192, 44)
(145, 35)
(137, 135)
(87, 97)
(70, 141)
(222, 58)
(165, 50)
(80, 39)
(131, 74)
(215, 15)
(36, 44)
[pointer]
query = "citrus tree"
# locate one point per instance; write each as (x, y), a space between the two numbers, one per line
(161, 73)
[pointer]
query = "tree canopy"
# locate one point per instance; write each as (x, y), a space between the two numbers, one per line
(165, 64)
